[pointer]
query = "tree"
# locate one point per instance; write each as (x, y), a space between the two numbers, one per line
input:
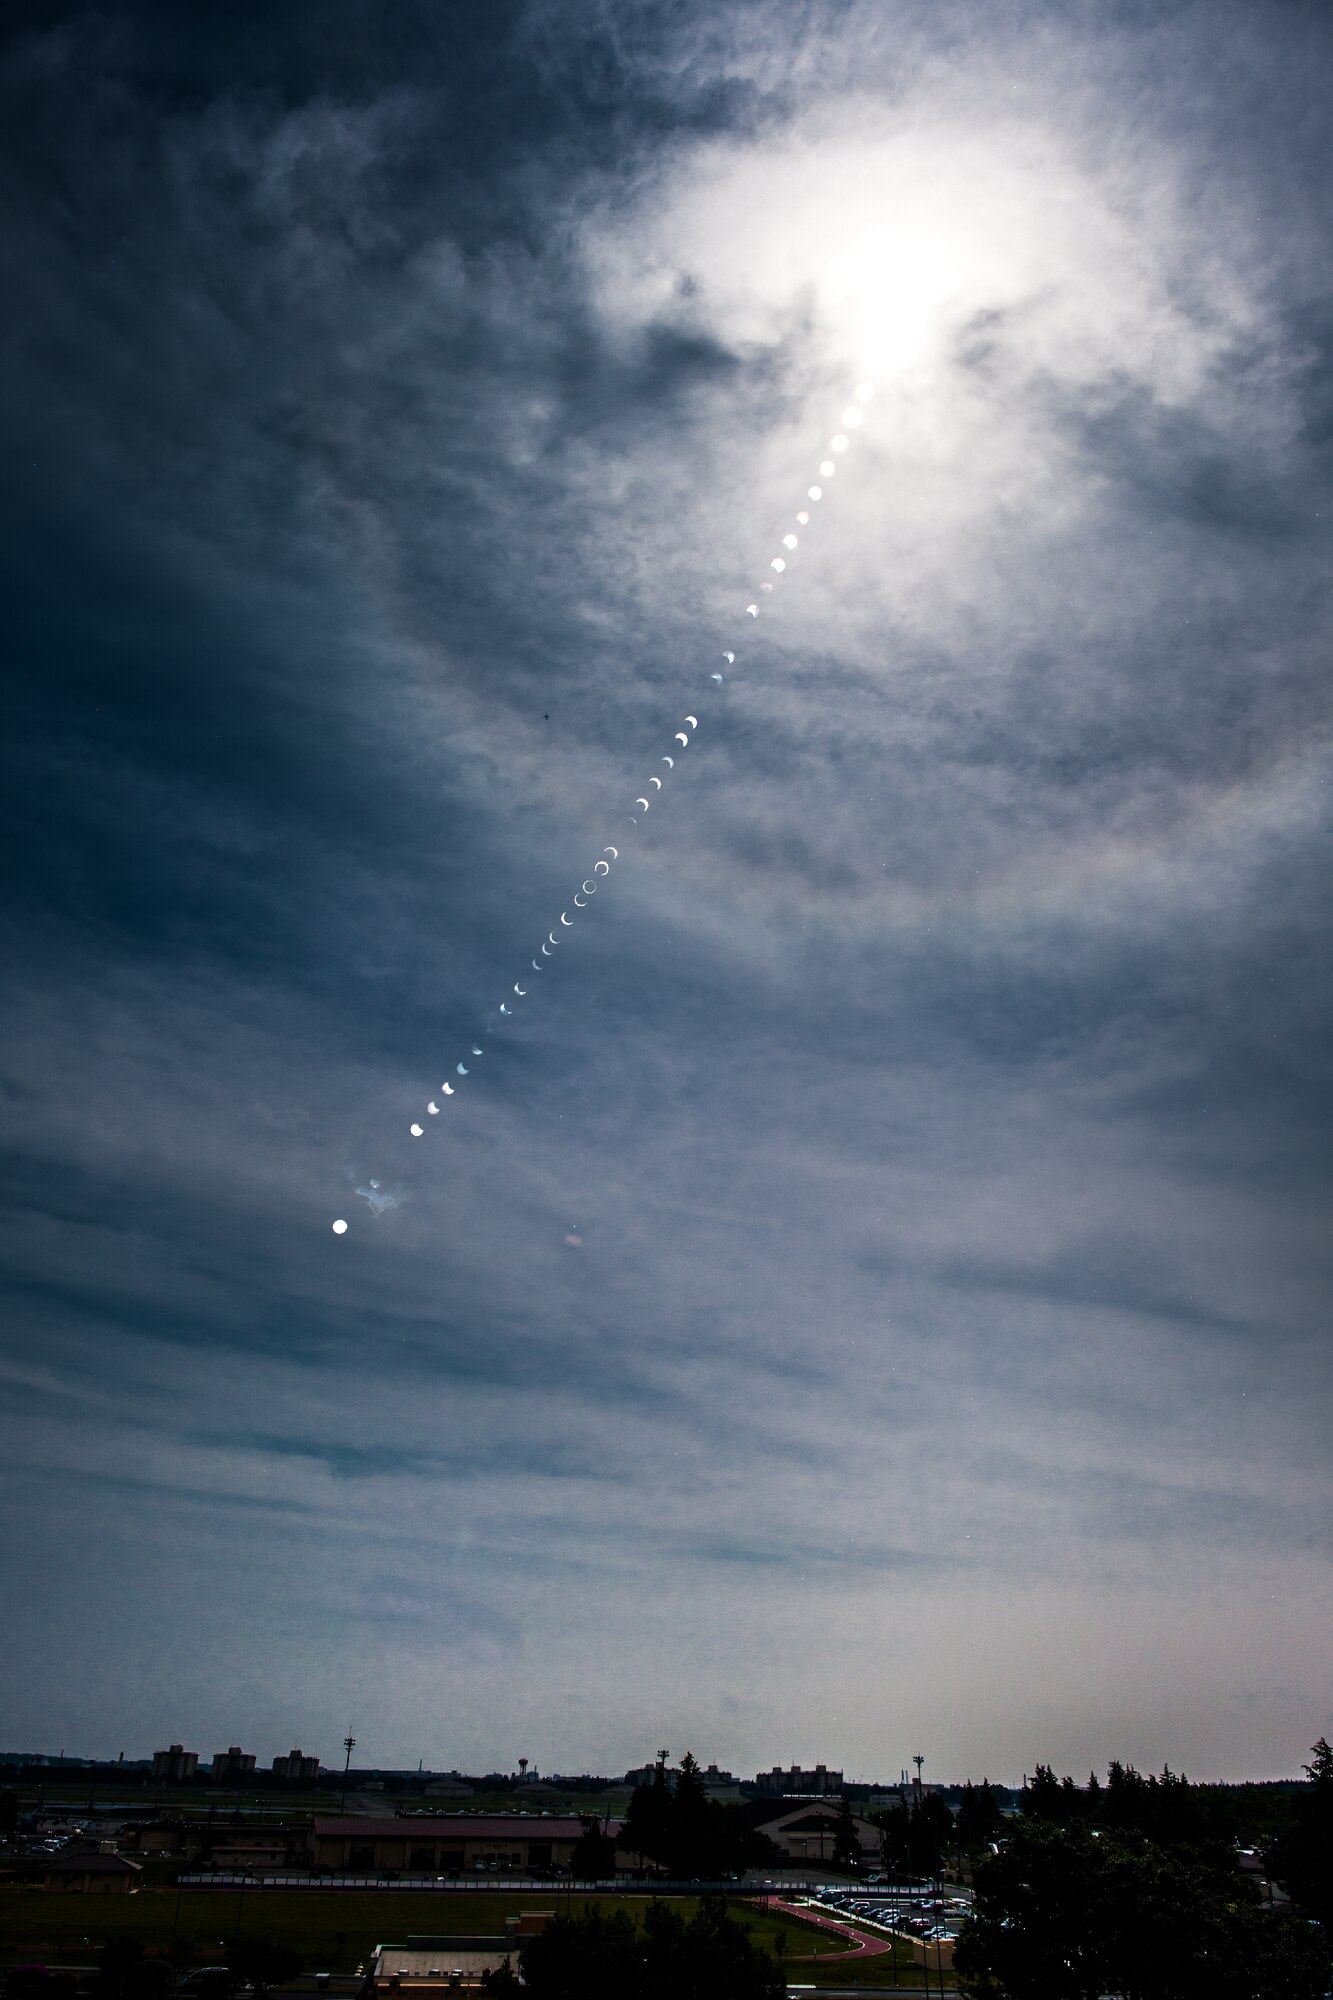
(846, 1846)
(690, 1842)
(914, 1839)
(712, 1958)
(932, 1834)
(1055, 1801)
(1166, 1808)
(592, 1957)
(1063, 1914)
(594, 1855)
(690, 1835)
(150, 1979)
(38, 1982)
(263, 1962)
(979, 1817)
(645, 1830)
(599, 1957)
(117, 1960)
(1301, 1857)
(895, 1838)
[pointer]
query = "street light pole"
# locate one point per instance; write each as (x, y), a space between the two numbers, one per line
(349, 1744)
(919, 1760)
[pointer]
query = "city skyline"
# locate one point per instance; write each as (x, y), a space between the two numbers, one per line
(875, 1274)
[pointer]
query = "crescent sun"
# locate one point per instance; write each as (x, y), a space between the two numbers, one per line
(504, 1009)
(681, 737)
(642, 802)
(448, 1089)
(535, 966)
(614, 852)
(566, 920)
(551, 938)
(546, 951)
(693, 721)
(657, 782)
(580, 902)
(603, 868)
(521, 991)
(670, 763)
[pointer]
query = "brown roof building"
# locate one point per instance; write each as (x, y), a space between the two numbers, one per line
(446, 1843)
(98, 1871)
(808, 1830)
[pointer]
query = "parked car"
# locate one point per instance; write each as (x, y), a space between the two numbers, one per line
(209, 1982)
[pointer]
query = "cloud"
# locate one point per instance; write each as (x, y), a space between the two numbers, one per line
(940, 1086)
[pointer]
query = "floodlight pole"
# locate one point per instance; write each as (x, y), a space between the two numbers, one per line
(349, 1744)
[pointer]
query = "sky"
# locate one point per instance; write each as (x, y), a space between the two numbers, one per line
(871, 1296)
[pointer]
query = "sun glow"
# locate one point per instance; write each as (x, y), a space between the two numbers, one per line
(881, 246)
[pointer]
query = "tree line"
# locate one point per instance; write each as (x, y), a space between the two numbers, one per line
(607, 1956)
(679, 1828)
(1133, 1889)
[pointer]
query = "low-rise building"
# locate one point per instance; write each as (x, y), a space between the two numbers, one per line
(446, 1843)
(259, 1847)
(154, 1836)
(97, 1871)
(810, 1832)
(426, 1965)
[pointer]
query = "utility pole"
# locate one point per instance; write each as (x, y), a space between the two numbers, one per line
(919, 1760)
(349, 1744)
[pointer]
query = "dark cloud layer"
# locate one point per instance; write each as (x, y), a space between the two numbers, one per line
(902, 1223)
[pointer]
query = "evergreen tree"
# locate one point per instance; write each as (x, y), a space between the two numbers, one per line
(690, 1845)
(915, 1839)
(846, 1846)
(979, 1818)
(1061, 1914)
(932, 1835)
(599, 1957)
(594, 1855)
(693, 1837)
(646, 1827)
(895, 1838)
(1301, 1858)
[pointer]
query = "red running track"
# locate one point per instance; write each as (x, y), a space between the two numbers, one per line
(864, 1946)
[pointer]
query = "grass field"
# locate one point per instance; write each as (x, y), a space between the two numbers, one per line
(337, 1933)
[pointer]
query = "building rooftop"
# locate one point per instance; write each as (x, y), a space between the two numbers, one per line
(92, 1862)
(427, 1826)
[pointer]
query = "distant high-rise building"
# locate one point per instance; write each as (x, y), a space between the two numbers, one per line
(175, 1765)
(296, 1768)
(229, 1765)
(796, 1783)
